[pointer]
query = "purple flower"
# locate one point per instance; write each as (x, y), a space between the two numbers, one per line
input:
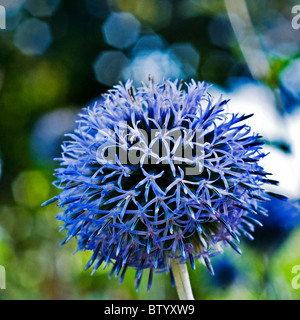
(157, 173)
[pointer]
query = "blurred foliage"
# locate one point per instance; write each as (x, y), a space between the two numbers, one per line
(41, 78)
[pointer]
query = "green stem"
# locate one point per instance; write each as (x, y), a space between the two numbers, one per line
(182, 280)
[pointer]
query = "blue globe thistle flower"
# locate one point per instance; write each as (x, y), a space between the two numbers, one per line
(159, 173)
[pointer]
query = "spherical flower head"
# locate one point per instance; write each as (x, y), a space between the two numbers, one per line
(159, 173)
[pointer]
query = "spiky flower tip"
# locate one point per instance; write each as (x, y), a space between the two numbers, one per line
(159, 173)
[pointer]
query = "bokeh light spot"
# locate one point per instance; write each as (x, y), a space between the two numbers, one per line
(156, 63)
(12, 6)
(48, 133)
(121, 30)
(188, 56)
(33, 37)
(30, 188)
(148, 43)
(109, 65)
(224, 37)
(13, 14)
(43, 75)
(42, 8)
(154, 12)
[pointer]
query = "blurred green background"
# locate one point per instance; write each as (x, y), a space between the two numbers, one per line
(58, 56)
